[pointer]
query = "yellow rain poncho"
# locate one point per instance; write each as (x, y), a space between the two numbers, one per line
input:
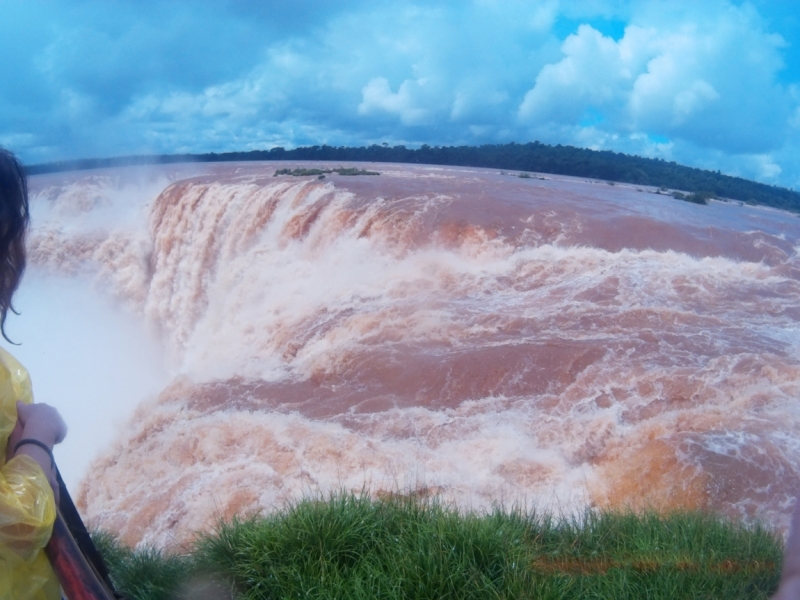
(27, 505)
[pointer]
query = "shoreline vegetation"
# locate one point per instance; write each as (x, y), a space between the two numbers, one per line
(320, 173)
(697, 185)
(353, 546)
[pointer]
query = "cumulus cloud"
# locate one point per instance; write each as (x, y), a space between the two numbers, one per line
(595, 72)
(378, 97)
(694, 79)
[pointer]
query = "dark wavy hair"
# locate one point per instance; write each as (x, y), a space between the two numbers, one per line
(14, 218)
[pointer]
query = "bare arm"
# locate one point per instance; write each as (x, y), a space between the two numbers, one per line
(39, 422)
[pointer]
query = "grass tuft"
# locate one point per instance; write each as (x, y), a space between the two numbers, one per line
(146, 573)
(352, 546)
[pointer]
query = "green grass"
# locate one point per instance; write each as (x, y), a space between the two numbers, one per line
(356, 547)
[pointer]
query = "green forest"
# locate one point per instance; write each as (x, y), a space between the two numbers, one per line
(531, 157)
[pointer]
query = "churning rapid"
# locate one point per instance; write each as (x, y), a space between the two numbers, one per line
(548, 342)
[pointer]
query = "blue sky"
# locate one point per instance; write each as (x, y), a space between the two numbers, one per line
(711, 83)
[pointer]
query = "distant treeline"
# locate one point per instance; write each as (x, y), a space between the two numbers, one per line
(533, 157)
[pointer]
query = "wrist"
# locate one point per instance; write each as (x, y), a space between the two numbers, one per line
(29, 444)
(40, 433)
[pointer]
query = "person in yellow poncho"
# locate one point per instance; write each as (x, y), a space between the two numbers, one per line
(28, 431)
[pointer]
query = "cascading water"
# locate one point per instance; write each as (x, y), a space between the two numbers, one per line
(548, 342)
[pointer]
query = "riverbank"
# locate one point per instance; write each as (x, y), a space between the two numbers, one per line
(357, 547)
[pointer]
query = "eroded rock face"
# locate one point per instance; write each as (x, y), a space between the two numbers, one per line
(548, 342)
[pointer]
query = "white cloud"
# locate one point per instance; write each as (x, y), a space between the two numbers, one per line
(652, 148)
(542, 14)
(692, 99)
(593, 72)
(473, 103)
(770, 170)
(692, 77)
(378, 97)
